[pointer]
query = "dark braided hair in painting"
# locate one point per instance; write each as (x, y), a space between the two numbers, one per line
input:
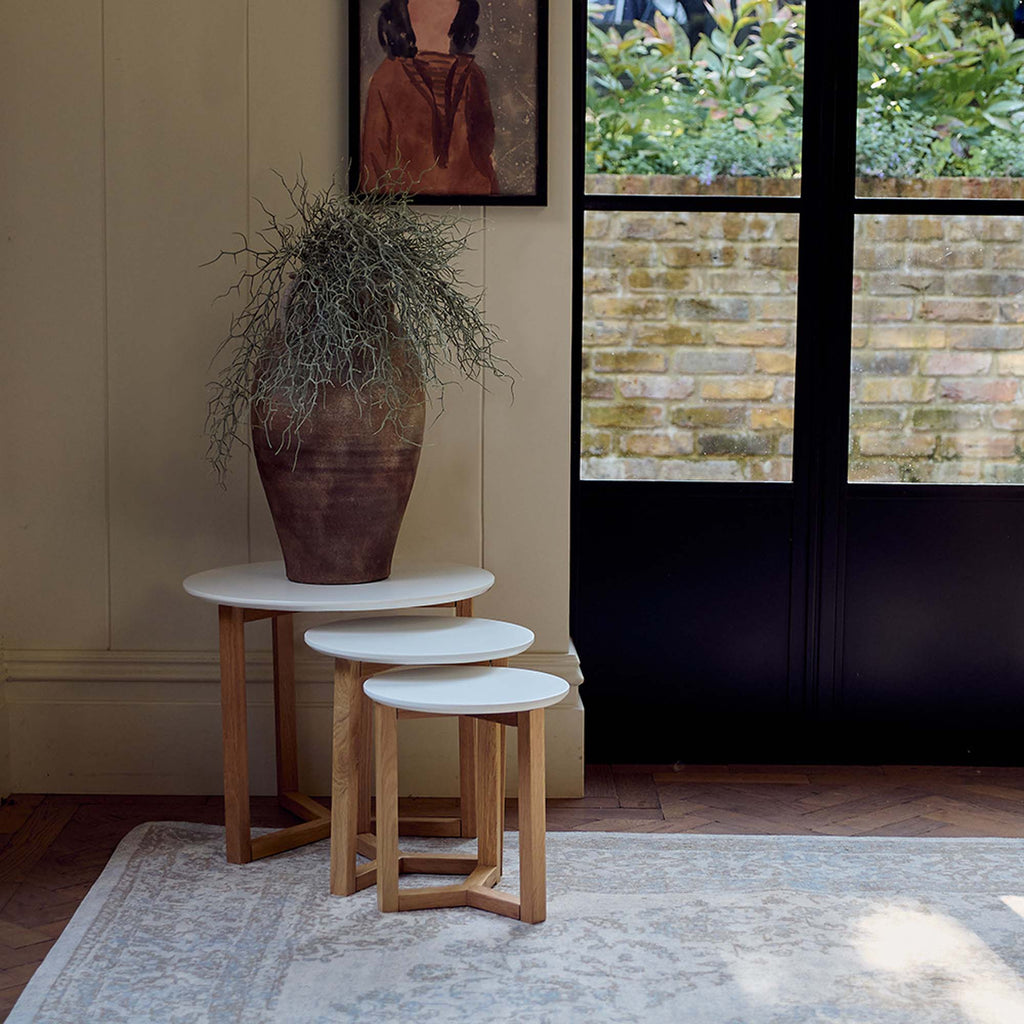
(395, 34)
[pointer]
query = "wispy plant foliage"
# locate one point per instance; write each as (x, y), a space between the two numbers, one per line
(348, 290)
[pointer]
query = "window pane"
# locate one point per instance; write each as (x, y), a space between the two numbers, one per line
(706, 100)
(940, 99)
(938, 350)
(688, 346)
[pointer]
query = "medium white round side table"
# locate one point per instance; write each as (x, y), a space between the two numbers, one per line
(245, 593)
(364, 647)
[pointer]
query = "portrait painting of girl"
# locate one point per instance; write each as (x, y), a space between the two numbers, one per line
(449, 99)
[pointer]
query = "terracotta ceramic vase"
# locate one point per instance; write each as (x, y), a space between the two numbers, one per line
(338, 499)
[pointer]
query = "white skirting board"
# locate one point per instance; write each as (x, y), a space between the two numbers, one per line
(149, 723)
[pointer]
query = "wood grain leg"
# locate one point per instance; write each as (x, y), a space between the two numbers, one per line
(501, 663)
(488, 780)
(235, 734)
(467, 756)
(364, 817)
(386, 736)
(286, 743)
(502, 757)
(532, 867)
(467, 777)
(348, 706)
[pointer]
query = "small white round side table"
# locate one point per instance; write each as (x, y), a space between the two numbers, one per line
(492, 698)
(245, 593)
(374, 645)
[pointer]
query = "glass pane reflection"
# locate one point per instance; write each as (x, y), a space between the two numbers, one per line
(688, 346)
(706, 100)
(938, 350)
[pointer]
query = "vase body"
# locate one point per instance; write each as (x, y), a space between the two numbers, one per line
(338, 498)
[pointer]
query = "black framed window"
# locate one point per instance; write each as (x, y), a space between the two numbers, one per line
(785, 378)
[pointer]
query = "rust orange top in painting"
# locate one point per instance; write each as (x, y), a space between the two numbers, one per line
(430, 115)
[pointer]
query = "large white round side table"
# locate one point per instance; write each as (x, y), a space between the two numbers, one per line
(364, 647)
(245, 593)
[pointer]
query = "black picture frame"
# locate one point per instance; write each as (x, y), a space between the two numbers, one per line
(519, 105)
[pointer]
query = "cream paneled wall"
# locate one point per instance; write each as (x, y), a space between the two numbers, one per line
(136, 134)
(53, 375)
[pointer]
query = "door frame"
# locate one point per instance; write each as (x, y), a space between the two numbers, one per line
(827, 208)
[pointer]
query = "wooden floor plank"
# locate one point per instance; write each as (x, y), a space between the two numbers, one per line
(985, 821)
(748, 777)
(627, 825)
(587, 801)
(832, 796)
(634, 789)
(9, 996)
(17, 975)
(14, 936)
(25, 954)
(599, 782)
(998, 797)
(16, 811)
(33, 839)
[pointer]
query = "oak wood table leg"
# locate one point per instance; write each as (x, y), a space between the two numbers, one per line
(386, 735)
(348, 708)
(286, 743)
(235, 735)
(532, 873)
(502, 758)
(364, 822)
(468, 797)
(489, 779)
(467, 757)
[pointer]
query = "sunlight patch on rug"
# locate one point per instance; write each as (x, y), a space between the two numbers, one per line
(915, 944)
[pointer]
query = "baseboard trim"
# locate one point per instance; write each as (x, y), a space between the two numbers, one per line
(149, 723)
(204, 666)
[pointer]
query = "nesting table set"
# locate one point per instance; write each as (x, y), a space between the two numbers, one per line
(395, 666)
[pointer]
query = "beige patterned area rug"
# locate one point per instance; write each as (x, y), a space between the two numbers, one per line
(685, 929)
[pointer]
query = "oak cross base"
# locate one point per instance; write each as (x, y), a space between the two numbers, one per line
(483, 870)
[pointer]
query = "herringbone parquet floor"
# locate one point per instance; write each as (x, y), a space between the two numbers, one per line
(52, 848)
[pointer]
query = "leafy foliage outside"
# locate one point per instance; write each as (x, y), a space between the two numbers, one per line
(657, 105)
(355, 290)
(940, 92)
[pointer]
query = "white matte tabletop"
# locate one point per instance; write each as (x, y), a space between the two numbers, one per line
(410, 585)
(465, 689)
(420, 640)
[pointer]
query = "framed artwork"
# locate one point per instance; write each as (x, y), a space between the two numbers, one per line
(448, 99)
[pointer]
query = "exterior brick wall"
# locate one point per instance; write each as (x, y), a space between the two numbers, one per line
(689, 347)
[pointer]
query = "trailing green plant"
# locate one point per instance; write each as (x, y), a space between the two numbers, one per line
(348, 290)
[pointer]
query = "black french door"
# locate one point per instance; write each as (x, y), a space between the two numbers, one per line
(827, 616)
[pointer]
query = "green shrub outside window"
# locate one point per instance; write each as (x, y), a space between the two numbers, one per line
(940, 92)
